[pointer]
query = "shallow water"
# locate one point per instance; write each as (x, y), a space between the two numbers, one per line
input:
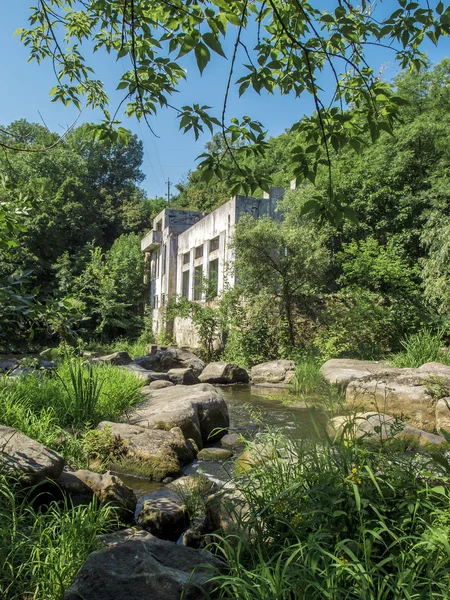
(252, 410)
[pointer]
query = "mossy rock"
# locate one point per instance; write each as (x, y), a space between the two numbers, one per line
(214, 454)
(154, 468)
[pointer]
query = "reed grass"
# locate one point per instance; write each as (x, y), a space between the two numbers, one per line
(420, 348)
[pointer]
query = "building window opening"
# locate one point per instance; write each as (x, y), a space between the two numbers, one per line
(199, 251)
(198, 283)
(214, 244)
(186, 257)
(185, 285)
(164, 259)
(159, 226)
(213, 279)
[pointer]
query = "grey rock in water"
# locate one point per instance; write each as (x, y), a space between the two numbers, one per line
(275, 371)
(341, 371)
(224, 372)
(163, 515)
(199, 411)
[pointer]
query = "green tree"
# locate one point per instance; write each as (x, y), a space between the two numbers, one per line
(288, 264)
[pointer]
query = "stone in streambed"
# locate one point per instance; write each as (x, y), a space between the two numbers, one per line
(214, 454)
(197, 409)
(225, 373)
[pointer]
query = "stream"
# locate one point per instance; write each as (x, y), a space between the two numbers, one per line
(252, 410)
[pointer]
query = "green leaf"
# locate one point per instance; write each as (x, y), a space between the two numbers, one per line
(202, 55)
(211, 41)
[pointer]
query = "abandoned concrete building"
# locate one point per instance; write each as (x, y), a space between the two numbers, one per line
(186, 248)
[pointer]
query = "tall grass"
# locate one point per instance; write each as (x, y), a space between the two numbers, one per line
(310, 385)
(337, 520)
(42, 550)
(420, 348)
(83, 387)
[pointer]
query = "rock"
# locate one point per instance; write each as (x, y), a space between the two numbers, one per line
(47, 364)
(160, 385)
(341, 371)
(197, 409)
(175, 358)
(254, 456)
(232, 441)
(408, 393)
(8, 364)
(377, 427)
(163, 515)
(146, 362)
(104, 486)
(164, 452)
(139, 372)
(21, 372)
(226, 511)
(125, 535)
(32, 461)
(193, 484)
(443, 414)
(182, 377)
(436, 369)
(223, 372)
(194, 535)
(118, 358)
(275, 371)
(214, 454)
(149, 569)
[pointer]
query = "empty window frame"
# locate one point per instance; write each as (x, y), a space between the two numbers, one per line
(199, 251)
(213, 279)
(214, 244)
(164, 258)
(185, 284)
(186, 258)
(198, 283)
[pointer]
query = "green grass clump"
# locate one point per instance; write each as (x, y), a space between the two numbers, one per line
(154, 468)
(336, 520)
(420, 348)
(42, 550)
(310, 385)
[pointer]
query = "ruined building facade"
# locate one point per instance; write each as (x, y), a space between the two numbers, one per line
(185, 248)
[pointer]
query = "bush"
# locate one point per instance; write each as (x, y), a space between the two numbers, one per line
(338, 521)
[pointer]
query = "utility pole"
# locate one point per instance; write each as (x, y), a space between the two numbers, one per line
(168, 191)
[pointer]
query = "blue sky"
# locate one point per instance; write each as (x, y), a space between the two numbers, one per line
(172, 154)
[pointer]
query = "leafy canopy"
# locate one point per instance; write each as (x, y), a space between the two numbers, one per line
(281, 46)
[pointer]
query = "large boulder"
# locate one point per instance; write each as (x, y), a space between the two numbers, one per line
(197, 409)
(182, 377)
(146, 376)
(275, 371)
(223, 372)
(174, 358)
(147, 569)
(30, 460)
(340, 371)
(166, 451)
(83, 485)
(412, 394)
(117, 358)
(158, 385)
(376, 427)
